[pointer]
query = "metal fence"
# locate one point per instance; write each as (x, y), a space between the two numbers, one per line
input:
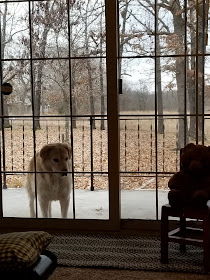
(143, 153)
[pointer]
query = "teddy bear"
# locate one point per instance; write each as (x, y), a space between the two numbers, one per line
(191, 185)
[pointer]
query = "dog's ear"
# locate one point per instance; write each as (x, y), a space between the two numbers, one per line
(69, 149)
(45, 150)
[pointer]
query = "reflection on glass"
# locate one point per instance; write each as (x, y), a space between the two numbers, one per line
(19, 101)
(49, 29)
(162, 192)
(51, 87)
(89, 87)
(14, 30)
(206, 86)
(15, 198)
(138, 76)
(207, 131)
(18, 148)
(137, 142)
(91, 204)
(87, 28)
(167, 150)
(138, 196)
(136, 28)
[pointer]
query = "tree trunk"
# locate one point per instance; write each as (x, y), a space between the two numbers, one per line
(159, 97)
(196, 93)
(67, 130)
(101, 82)
(73, 79)
(74, 106)
(179, 30)
(180, 64)
(92, 109)
(159, 85)
(66, 111)
(74, 111)
(200, 76)
(37, 96)
(191, 96)
(3, 40)
(38, 81)
(90, 83)
(122, 38)
(102, 95)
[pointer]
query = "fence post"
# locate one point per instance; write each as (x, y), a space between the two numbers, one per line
(91, 152)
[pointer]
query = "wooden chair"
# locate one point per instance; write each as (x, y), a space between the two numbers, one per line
(186, 235)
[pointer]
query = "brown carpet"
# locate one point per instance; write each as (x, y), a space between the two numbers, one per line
(74, 273)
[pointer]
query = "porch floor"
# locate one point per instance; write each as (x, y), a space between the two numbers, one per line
(135, 204)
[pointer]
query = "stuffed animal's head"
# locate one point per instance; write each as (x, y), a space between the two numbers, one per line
(195, 158)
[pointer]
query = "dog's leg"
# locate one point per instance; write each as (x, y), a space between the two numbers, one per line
(64, 207)
(50, 210)
(31, 205)
(31, 196)
(44, 205)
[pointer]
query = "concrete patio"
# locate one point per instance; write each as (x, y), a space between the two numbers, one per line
(135, 204)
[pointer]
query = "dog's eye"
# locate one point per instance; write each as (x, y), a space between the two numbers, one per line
(55, 160)
(66, 158)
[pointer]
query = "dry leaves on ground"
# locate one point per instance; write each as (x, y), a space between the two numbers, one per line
(137, 154)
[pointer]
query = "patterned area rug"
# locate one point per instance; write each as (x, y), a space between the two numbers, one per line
(123, 252)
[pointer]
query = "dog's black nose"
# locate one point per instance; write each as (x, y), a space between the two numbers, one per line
(64, 174)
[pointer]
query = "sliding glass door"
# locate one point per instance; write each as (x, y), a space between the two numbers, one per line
(124, 83)
(164, 68)
(60, 57)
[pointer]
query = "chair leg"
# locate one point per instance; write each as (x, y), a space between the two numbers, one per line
(206, 244)
(182, 224)
(164, 236)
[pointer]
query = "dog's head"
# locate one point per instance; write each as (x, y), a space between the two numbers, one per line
(56, 158)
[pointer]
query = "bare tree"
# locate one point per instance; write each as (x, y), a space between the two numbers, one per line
(7, 73)
(158, 80)
(101, 70)
(126, 38)
(41, 23)
(194, 65)
(198, 33)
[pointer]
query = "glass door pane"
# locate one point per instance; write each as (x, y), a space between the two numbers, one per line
(56, 61)
(163, 62)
